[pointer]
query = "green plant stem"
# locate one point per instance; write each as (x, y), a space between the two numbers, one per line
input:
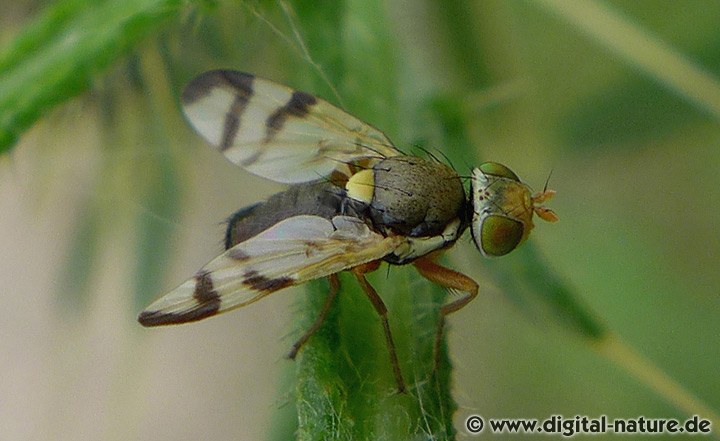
(645, 371)
(642, 49)
(345, 386)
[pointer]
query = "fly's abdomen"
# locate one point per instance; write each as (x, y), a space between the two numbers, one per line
(320, 198)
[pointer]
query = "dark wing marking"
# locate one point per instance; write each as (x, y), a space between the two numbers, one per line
(276, 132)
(291, 252)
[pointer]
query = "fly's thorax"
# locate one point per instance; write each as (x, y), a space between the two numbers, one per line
(502, 209)
(409, 195)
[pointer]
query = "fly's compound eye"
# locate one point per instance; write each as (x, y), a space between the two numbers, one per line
(497, 235)
(499, 170)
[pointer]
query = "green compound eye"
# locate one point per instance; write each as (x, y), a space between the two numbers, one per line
(499, 170)
(499, 235)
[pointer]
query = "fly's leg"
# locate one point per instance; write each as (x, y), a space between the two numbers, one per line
(334, 288)
(381, 309)
(452, 280)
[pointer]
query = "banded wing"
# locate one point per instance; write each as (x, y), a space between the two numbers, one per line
(276, 132)
(291, 252)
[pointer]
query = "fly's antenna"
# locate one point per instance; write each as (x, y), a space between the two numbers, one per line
(547, 181)
(544, 213)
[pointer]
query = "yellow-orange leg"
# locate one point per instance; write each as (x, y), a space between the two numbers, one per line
(381, 309)
(334, 288)
(449, 279)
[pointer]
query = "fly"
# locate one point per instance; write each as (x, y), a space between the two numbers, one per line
(354, 201)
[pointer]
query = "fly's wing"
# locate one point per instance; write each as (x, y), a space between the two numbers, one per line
(291, 252)
(277, 132)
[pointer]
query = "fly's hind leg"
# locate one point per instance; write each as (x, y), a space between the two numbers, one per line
(334, 288)
(452, 280)
(381, 309)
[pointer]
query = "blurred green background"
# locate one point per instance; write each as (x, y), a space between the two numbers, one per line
(109, 199)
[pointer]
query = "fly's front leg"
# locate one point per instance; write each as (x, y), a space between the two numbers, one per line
(449, 279)
(381, 309)
(334, 288)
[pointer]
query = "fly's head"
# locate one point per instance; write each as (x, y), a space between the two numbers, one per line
(503, 209)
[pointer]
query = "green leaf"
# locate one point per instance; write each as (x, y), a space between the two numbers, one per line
(61, 52)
